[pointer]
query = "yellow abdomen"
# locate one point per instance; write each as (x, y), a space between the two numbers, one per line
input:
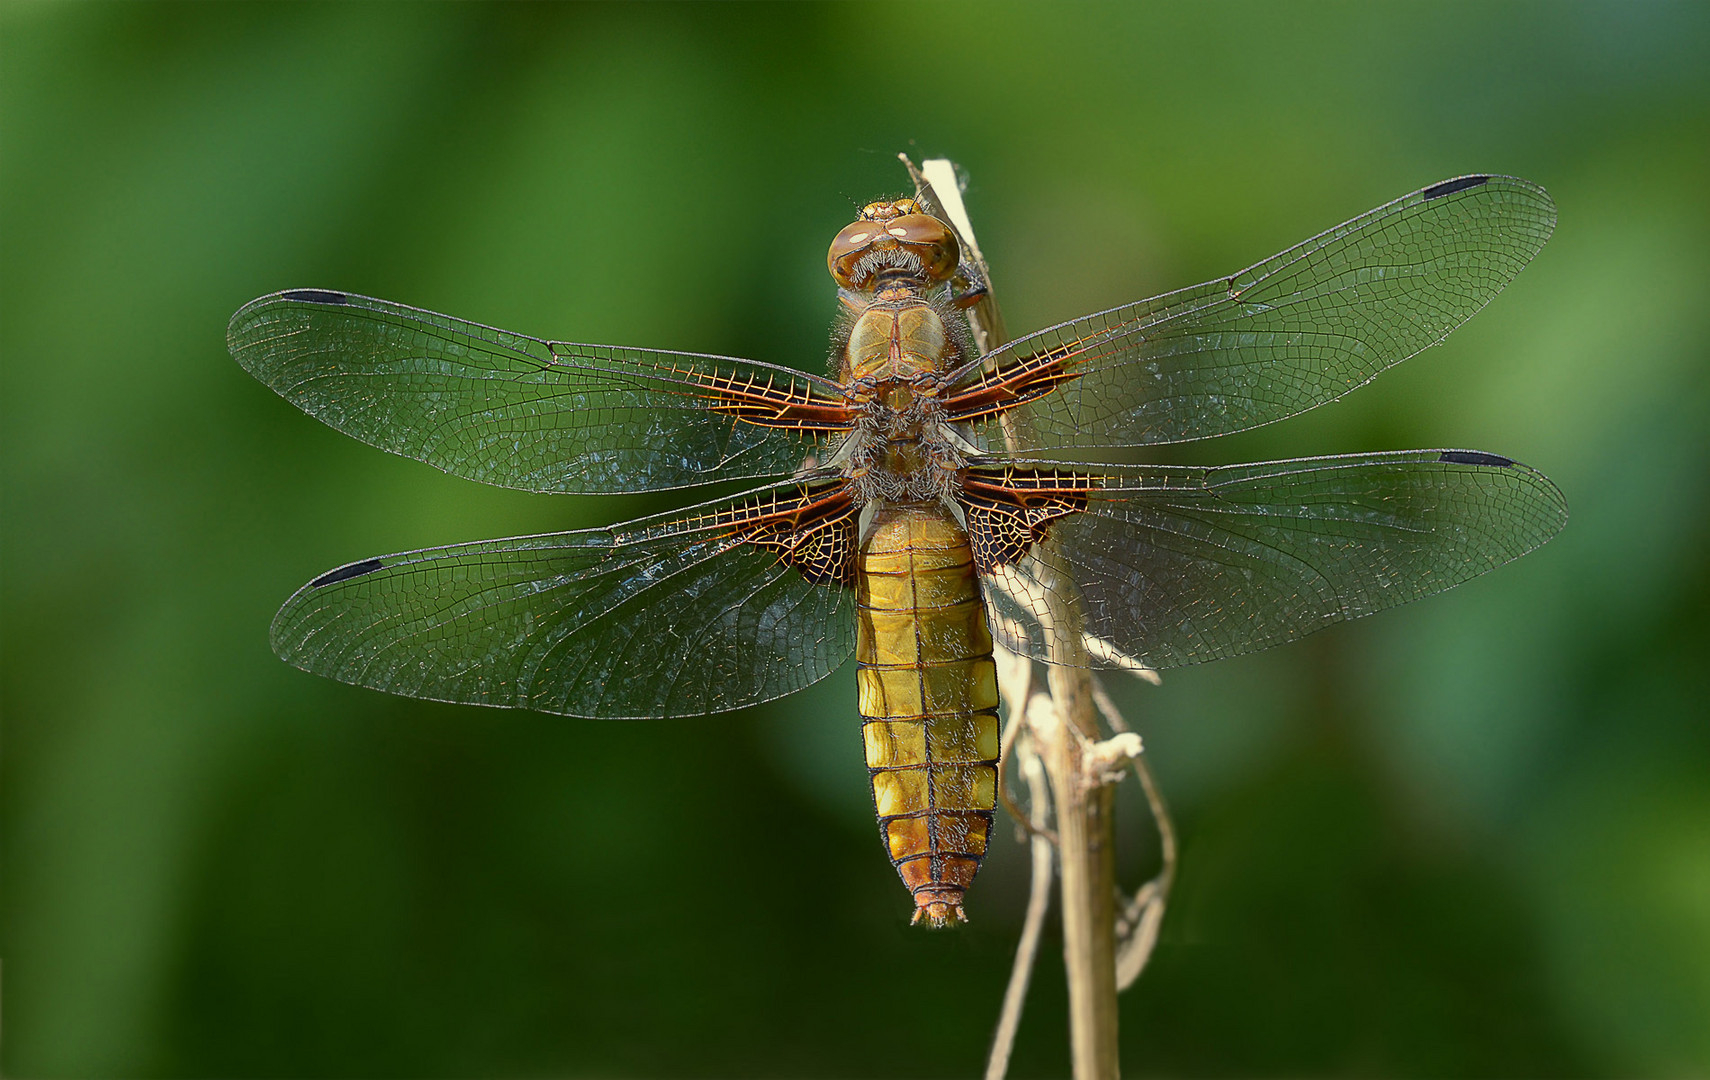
(929, 699)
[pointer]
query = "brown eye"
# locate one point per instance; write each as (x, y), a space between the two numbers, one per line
(929, 238)
(917, 229)
(846, 249)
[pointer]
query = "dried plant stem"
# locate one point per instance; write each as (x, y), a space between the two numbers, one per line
(1086, 853)
(1038, 899)
(1143, 914)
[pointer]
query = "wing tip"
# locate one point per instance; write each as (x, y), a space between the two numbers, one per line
(1511, 186)
(240, 317)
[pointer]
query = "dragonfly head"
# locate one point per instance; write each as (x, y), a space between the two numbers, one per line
(894, 238)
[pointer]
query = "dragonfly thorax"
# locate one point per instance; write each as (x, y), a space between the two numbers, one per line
(899, 346)
(897, 340)
(906, 454)
(902, 448)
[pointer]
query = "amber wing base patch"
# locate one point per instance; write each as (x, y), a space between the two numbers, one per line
(1011, 509)
(813, 530)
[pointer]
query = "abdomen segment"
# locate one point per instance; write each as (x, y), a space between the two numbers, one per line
(928, 693)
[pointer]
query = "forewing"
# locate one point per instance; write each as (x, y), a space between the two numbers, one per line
(519, 412)
(722, 606)
(1165, 566)
(1291, 333)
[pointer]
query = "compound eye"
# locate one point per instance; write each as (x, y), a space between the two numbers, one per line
(929, 238)
(846, 250)
(917, 229)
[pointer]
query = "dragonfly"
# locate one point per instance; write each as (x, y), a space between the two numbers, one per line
(919, 504)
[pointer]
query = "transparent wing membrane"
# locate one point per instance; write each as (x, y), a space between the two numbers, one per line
(1168, 566)
(518, 412)
(1300, 329)
(677, 615)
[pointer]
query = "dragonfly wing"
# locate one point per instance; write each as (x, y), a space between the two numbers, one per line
(721, 606)
(519, 412)
(1164, 566)
(1300, 329)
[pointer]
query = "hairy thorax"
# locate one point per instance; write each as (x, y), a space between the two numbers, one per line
(897, 352)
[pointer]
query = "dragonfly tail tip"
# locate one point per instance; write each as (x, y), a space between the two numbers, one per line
(938, 907)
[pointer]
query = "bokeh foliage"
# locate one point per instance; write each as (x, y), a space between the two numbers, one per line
(1471, 837)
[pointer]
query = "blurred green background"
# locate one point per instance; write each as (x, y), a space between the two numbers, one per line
(1467, 838)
